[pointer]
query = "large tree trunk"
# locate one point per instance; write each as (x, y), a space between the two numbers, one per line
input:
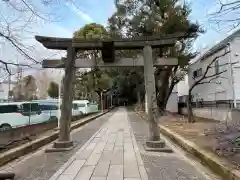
(189, 108)
(162, 89)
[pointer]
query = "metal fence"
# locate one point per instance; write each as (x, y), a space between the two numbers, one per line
(215, 104)
(182, 103)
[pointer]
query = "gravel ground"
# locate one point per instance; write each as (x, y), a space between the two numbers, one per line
(162, 166)
(41, 165)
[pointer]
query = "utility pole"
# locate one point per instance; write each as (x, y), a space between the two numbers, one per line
(59, 99)
(9, 86)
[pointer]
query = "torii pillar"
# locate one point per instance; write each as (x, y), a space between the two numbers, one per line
(64, 142)
(154, 142)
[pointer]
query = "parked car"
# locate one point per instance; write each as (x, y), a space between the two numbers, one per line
(82, 106)
(17, 114)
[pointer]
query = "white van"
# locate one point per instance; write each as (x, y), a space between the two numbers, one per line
(17, 114)
(82, 105)
(50, 109)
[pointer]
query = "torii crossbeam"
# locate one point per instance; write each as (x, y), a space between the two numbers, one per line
(108, 47)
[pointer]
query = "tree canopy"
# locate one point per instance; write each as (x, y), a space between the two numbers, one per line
(138, 18)
(95, 80)
(157, 17)
(25, 90)
(53, 90)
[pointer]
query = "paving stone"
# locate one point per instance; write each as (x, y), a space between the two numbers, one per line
(112, 138)
(115, 172)
(129, 154)
(139, 158)
(74, 167)
(84, 154)
(66, 177)
(85, 173)
(132, 179)
(109, 147)
(93, 159)
(143, 173)
(96, 139)
(101, 169)
(91, 146)
(131, 170)
(98, 178)
(117, 157)
(106, 156)
(127, 139)
(99, 148)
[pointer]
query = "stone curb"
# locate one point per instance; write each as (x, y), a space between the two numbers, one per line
(36, 144)
(207, 158)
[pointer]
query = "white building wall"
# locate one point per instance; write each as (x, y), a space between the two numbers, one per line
(172, 104)
(182, 86)
(211, 91)
(235, 57)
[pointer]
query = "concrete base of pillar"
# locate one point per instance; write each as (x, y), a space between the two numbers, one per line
(157, 146)
(7, 175)
(60, 146)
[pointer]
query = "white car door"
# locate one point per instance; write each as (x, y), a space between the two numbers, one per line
(11, 115)
(33, 111)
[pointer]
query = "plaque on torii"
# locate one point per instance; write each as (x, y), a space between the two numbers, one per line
(108, 47)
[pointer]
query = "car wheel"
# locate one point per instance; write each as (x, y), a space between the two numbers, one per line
(5, 127)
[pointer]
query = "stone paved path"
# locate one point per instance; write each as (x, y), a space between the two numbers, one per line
(111, 154)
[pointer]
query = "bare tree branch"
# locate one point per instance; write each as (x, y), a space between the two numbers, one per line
(204, 76)
(18, 48)
(23, 17)
(227, 14)
(216, 74)
(33, 11)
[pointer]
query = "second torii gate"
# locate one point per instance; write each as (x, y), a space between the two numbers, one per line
(108, 47)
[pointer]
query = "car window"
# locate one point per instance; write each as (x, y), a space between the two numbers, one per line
(88, 104)
(28, 107)
(81, 105)
(48, 107)
(75, 106)
(8, 109)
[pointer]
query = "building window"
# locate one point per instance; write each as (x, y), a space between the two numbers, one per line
(197, 73)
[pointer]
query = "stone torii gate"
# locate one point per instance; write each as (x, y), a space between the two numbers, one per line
(108, 47)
